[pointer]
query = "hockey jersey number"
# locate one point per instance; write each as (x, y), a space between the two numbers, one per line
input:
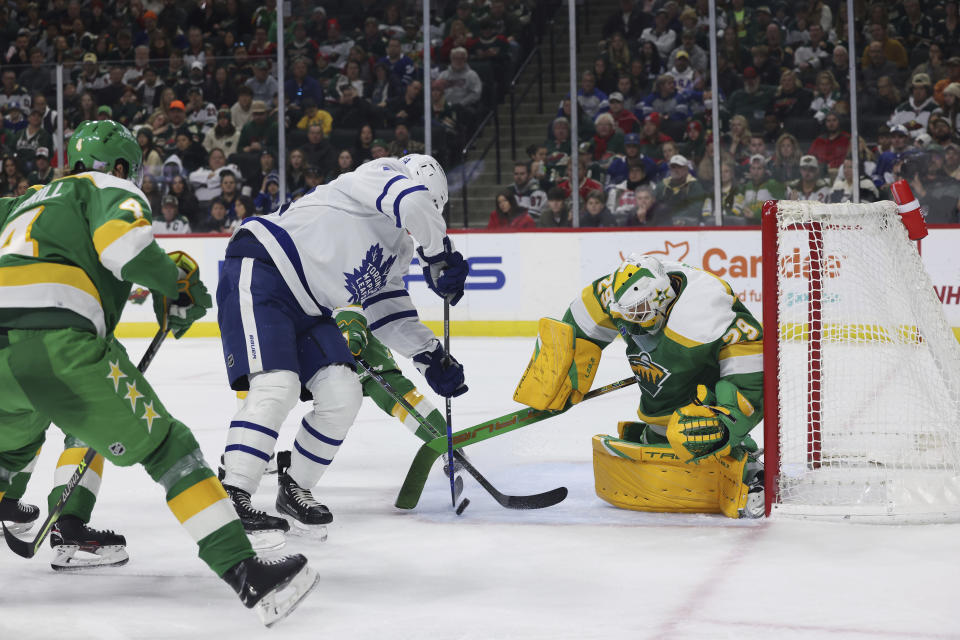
(15, 238)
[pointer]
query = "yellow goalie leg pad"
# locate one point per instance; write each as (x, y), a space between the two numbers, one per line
(653, 478)
(562, 368)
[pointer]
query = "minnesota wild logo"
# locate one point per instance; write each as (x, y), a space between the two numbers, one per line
(370, 276)
(650, 375)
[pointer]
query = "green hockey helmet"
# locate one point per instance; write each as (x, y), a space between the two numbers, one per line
(99, 144)
(642, 292)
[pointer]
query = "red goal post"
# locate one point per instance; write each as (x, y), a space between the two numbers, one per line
(862, 373)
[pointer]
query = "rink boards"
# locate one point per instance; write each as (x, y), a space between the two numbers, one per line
(516, 278)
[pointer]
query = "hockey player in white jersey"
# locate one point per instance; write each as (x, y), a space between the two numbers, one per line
(345, 243)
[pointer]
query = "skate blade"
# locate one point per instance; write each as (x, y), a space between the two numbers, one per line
(16, 528)
(267, 540)
(312, 531)
(72, 558)
(279, 603)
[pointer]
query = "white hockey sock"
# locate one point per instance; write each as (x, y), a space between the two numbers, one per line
(337, 395)
(252, 436)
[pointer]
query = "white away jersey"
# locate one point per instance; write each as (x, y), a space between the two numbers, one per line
(346, 243)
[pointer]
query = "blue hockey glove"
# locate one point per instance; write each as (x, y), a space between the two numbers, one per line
(446, 272)
(442, 371)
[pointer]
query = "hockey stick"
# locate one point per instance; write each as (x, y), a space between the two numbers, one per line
(536, 501)
(429, 452)
(28, 548)
(450, 472)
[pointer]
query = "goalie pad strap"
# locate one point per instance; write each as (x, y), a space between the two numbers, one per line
(653, 478)
(562, 368)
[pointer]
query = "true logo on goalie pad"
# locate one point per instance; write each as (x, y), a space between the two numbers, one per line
(650, 375)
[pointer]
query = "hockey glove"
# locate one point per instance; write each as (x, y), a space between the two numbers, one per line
(192, 301)
(356, 337)
(446, 272)
(699, 430)
(442, 371)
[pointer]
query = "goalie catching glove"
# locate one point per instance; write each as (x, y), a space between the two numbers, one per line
(192, 301)
(700, 430)
(446, 272)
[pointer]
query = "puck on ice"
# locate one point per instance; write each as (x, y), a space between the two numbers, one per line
(463, 505)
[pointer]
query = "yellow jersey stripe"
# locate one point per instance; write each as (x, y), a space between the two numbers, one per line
(597, 314)
(661, 421)
(197, 498)
(413, 398)
(107, 233)
(74, 455)
(679, 339)
(48, 273)
(741, 349)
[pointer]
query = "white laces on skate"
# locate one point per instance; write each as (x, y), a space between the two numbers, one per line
(303, 497)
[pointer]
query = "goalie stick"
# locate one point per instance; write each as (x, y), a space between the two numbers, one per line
(536, 501)
(429, 452)
(28, 548)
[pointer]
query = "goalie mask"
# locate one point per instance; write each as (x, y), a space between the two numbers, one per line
(428, 172)
(642, 292)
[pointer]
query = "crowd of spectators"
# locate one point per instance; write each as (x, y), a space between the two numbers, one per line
(196, 81)
(644, 114)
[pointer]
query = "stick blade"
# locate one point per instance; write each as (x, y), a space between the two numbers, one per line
(537, 501)
(20, 547)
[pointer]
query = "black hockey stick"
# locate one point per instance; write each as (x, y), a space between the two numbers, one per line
(454, 494)
(28, 548)
(536, 501)
(416, 477)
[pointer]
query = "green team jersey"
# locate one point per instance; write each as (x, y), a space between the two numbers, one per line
(708, 335)
(70, 250)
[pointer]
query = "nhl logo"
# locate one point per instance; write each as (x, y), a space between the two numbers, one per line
(230, 360)
(117, 449)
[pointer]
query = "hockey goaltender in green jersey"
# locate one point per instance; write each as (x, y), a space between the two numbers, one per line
(697, 354)
(69, 253)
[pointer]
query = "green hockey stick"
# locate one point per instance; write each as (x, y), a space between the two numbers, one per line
(416, 478)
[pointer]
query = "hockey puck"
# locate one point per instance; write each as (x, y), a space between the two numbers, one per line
(463, 505)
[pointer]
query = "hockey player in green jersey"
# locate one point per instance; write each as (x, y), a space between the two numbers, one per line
(99, 548)
(69, 254)
(363, 344)
(697, 354)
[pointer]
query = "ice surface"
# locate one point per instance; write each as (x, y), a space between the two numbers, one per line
(581, 569)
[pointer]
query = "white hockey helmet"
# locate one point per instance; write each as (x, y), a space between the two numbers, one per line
(642, 292)
(428, 172)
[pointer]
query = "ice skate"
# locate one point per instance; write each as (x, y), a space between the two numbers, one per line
(307, 516)
(266, 532)
(18, 516)
(77, 546)
(273, 587)
(756, 506)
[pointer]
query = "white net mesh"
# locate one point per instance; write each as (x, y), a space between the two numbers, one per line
(869, 371)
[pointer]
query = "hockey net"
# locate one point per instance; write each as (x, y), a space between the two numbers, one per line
(862, 379)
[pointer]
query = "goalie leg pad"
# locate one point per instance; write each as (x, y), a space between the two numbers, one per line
(562, 368)
(640, 477)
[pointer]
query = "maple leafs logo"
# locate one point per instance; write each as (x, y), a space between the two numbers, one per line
(370, 276)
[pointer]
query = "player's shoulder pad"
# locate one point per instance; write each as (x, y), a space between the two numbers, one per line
(107, 181)
(704, 310)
